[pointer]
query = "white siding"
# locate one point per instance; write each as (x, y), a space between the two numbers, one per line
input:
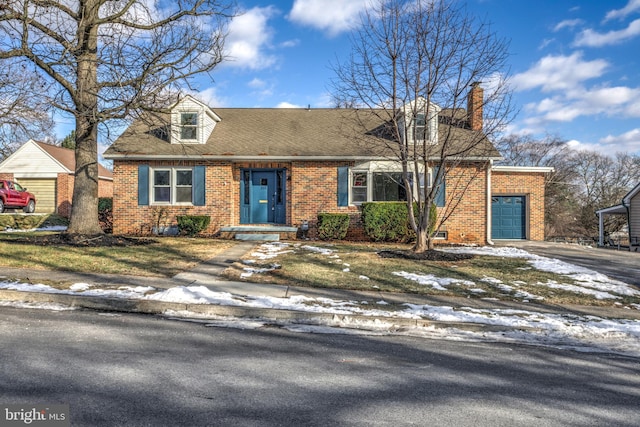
(30, 161)
(206, 123)
(634, 216)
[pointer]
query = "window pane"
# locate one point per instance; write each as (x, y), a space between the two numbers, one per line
(359, 194)
(359, 187)
(189, 133)
(162, 194)
(184, 177)
(189, 119)
(161, 178)
(183, 194)
(388, 187)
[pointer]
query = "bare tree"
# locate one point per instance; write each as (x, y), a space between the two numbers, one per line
(409, 59)
(602, 182)
(24, 107)
(109, 59)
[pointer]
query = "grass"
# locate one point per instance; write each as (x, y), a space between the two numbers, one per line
(358, 267)
(353, 266)
(166, 257)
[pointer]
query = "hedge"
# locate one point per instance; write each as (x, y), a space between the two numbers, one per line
(332, 226)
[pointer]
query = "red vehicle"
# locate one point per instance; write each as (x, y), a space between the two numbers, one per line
(13, 196)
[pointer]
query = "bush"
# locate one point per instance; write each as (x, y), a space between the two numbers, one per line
(386, 221)
(192, 224)
(105, 214)
(332, 226)
(389, 221)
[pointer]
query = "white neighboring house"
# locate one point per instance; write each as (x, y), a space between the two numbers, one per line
(630, 207)
(47, 171)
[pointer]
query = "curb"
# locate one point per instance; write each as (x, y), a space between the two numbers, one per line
(214, 312)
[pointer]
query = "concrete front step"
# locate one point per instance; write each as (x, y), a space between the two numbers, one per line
(259, 232)
(260, 237)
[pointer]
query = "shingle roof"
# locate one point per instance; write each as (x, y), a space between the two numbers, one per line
(67, 158)
(281, 133)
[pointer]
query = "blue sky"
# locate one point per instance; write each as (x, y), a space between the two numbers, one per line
(574, 64)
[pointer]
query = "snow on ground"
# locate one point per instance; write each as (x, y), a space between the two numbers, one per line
(586, 333)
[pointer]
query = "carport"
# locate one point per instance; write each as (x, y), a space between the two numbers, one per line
(630, 208)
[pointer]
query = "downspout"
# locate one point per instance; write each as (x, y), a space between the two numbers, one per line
(628, 221)
(489, 241)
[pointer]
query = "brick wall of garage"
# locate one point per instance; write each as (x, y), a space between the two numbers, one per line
(530, 185)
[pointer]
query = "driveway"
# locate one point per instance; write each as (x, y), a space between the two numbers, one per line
(621, 265)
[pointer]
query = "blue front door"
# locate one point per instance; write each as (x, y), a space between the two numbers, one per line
(263, 196)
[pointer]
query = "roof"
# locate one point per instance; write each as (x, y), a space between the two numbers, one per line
(67, 158)
(283, 133)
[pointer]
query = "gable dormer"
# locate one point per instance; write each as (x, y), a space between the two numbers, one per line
(192, 122)
(420, 120)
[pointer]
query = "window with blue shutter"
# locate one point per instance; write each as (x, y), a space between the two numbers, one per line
(441, 194)
(199, 185)
(343, 186)
(143, 185)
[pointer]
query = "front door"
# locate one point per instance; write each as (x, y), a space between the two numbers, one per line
(263, 196)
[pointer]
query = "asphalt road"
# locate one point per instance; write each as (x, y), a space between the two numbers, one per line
(135, 370)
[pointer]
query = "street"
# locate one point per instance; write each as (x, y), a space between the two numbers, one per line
(137, 370)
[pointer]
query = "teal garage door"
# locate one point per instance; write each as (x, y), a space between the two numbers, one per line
(508, 215)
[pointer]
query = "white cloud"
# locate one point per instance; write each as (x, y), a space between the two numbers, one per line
(287, 105)
(628, 141)
(567, 23)
(631, 7)
(249, 37)
(559, 72)
(333, 16)
(210, 97)
(592, 38)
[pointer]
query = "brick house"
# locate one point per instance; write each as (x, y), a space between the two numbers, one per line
(278, 168)
(47, 171)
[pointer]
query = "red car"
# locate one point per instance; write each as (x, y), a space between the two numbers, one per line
(13, 196)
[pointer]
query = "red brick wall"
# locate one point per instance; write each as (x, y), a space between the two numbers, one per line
(311, 189)
(529, 184)
(465, 211)
(64, 192)
(129, 218)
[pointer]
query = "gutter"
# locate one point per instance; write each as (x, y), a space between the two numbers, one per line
(489, 192)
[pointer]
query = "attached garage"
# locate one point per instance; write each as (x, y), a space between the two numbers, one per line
(44, 190)
(508, 217)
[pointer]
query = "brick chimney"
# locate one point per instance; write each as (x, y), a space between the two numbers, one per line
(474, 106)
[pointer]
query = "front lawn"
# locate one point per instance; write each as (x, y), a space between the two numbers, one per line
(161, 257)
(360, 267)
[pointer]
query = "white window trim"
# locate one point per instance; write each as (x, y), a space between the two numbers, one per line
(198, 127)
(419, 107)
(371, 168)
(172, 186)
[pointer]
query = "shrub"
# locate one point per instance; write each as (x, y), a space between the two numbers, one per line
(332, 226)
(389, 221)
(192, 224)
(105, 214)
(386, 221)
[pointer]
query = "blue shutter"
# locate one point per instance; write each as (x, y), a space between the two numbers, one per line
(441, 193)
(143, 185)
(343, 186)
(199, 185)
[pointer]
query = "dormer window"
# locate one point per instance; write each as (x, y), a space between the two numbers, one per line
(192, 122)
(189, 126)
(419, 128)
(420, 122)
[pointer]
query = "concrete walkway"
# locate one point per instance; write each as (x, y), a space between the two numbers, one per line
(208, 274)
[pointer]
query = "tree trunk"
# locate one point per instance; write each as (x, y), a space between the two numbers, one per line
(423, 241)
(84, 207)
